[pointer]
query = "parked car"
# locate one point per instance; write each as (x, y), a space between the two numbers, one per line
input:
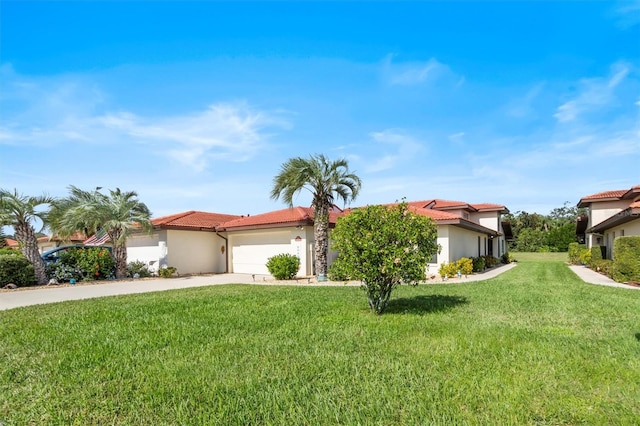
(53, 255)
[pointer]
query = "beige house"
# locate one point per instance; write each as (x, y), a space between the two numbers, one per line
(465, 230)
(201, 242)
(611, 214)
(188, 241)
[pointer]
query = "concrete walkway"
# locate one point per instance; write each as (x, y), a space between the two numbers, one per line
(590, 276)
(28, 296)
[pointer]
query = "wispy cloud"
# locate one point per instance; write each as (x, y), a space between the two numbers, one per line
(627, 13)
(393, 147)
(522, 107)
(593, 93)
(415, 73)
(70, 110)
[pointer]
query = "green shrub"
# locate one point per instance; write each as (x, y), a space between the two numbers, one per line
(465, 266)
(337, 272)
(604, 266)
(167, 271)
(17, 270)
(448, 270)
(138, 267)
(626, 259)
(585, 256)
(283, 266)
(490, 261)
(82, 264)
(478, 264)
(10, 252)
(596, 255)
(63, 272)
(507, 258)
(575, 250)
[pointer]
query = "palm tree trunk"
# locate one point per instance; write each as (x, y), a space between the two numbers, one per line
(26, 236)
(321, 235)
(119, 254)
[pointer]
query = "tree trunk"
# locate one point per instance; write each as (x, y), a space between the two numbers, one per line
(119, 254)
(26, 236)
(321, 235)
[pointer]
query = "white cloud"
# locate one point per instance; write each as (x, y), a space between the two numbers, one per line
(523, 106)
(414, 73)
(627, 13)
(403, 148)
(457, 138)
(594, 93)
(72, 110)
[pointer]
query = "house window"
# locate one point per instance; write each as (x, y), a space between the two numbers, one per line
(479, 252)
(622, 233)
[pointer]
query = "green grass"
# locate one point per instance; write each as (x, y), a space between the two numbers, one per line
(533, 346)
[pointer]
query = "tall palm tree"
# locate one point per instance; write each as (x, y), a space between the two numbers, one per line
(326, 180)
(20, 211)
(117, 214)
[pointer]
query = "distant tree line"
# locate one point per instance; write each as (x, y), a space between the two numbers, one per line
(554, 232)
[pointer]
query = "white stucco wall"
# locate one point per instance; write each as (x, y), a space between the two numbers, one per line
(190, 252)
(145, 248)
(455, 243)
(489, 220)
(602, 211)
(250, 250)
(626, 230)
(196, 252)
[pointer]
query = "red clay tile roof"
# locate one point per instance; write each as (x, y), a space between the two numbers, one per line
(489, 207)
(635, 205)
(193, 219)
(606, 195)
(285, 217)
(618, 194)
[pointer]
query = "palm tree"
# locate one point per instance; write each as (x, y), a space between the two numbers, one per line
(19, 211)
(326, 180)
(117, 214)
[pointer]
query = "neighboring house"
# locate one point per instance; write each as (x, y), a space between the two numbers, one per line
(611, 214)
(188, 241)
(254, 239)
(465, 230)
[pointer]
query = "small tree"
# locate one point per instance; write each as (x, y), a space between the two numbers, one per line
(384, 247)
(22, 213)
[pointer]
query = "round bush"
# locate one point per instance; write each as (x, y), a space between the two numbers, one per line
(283, 266)
(16, 269)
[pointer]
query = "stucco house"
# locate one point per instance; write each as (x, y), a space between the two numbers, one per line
(189, 241)
(201, 242)
(465, 230)
(611, 214)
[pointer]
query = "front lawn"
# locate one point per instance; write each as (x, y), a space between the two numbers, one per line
(533, 346)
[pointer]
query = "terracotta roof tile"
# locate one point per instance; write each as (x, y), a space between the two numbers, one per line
(488, 206)
(293, 215)
(193, 219)
(606, 195)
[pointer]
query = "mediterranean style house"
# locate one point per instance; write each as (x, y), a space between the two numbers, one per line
(202, 242)
(611, 214)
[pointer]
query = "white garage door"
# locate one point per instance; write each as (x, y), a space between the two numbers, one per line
(250, 252)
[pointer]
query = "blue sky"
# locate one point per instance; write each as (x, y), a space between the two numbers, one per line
(195, 105)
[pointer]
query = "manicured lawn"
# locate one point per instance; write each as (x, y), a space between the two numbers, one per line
(533, 346)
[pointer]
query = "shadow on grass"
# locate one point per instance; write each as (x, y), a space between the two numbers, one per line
(422, 305)
(638, 337)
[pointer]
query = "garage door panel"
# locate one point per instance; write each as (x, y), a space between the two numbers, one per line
(250, 253)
